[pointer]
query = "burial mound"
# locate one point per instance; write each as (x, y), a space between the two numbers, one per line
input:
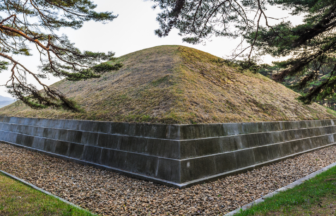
(177, 85)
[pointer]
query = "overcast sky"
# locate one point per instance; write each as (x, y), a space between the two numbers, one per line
(133, 30)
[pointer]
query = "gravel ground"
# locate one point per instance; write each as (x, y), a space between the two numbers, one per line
(109, 193)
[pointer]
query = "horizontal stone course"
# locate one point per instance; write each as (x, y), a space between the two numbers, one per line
(178, 155)
(179, 132)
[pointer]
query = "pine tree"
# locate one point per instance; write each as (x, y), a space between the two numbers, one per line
(26, 24)
(311, 43)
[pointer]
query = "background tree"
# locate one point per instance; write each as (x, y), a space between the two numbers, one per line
(311, 43)
(35, 23)
(295, 82)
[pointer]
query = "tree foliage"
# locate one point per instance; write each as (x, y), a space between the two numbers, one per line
(310, 43)
(197, 20)
(302, 85)
(26, 24)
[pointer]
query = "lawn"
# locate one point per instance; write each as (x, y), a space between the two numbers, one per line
(19, 199)
(316, 196)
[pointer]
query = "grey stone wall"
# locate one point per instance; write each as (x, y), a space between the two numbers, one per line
(178, 155)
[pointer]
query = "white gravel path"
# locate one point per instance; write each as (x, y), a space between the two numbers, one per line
(109, 193)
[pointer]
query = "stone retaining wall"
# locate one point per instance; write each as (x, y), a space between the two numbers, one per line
(177, 155)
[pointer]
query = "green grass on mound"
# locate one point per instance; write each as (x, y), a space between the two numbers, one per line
(176, 84)
(314, 197)
(19, 199)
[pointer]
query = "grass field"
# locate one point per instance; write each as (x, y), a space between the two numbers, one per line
(19, 199)
(316, 196)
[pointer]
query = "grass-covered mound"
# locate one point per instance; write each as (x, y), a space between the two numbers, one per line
(176, 84)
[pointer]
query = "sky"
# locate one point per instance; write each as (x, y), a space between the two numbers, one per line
(134, 30)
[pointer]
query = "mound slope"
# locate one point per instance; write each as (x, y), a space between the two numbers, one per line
(176, 84)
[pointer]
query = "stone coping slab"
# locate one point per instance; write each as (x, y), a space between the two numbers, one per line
(179, 132)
